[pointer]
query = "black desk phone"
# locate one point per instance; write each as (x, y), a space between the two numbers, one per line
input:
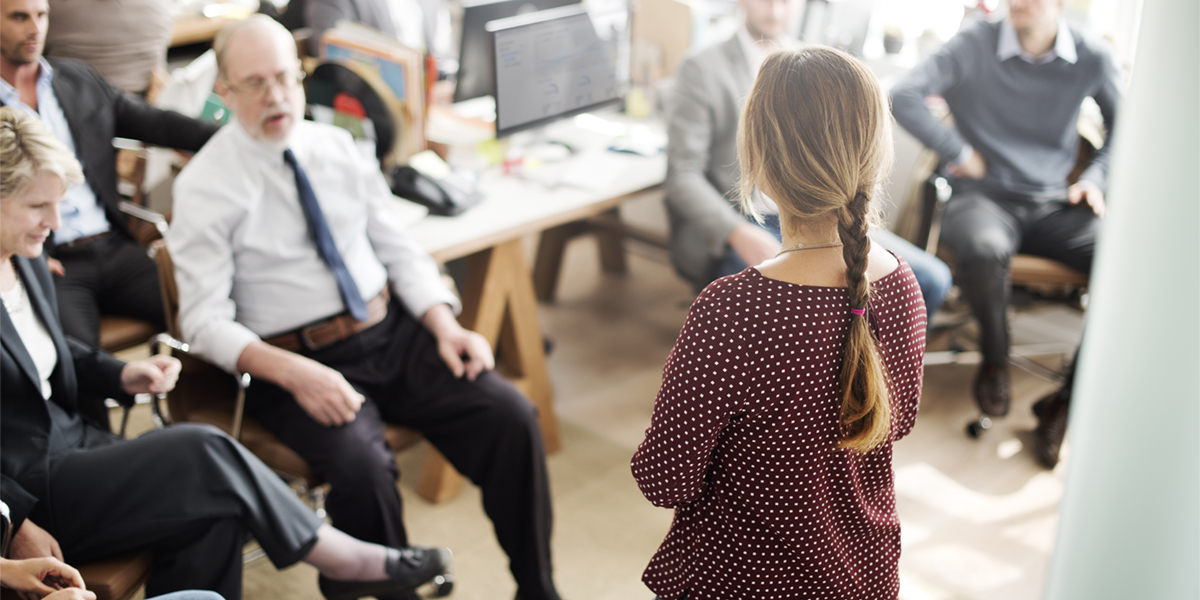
(443, 197)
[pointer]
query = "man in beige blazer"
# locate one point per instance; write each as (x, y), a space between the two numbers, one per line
(710, 238)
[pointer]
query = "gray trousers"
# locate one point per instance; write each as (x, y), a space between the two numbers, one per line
(985, 229)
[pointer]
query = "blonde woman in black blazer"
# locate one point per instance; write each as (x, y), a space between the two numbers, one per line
(191, 493)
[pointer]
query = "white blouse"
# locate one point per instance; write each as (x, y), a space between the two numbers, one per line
(33, 333)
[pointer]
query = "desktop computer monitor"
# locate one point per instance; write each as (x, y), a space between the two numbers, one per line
(557, 63)
(475, 75)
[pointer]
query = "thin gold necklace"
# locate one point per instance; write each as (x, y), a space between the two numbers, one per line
(799, 247)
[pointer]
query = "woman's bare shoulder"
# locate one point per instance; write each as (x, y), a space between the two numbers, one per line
(880, 263)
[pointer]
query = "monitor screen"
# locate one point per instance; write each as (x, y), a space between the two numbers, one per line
(475, 75)
(557, 63)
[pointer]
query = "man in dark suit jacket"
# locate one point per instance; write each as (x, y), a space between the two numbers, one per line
(100, 268)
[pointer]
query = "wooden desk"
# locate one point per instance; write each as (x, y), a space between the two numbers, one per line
(194, 29)
(499, 300)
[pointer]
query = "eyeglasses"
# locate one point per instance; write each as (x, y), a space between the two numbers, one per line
(257, 88)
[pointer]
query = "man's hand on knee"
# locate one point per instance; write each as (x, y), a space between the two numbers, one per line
(1088, 194)
(974, 167)
(464, 352)
(323, 393)
(32, 541)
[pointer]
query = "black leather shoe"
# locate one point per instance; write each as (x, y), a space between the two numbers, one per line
(1051, 413)
(407, 569)
(992, 390)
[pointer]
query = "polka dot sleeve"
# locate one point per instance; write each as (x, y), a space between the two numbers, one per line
(696, 401)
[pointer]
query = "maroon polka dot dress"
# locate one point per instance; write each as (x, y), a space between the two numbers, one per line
(743, 445)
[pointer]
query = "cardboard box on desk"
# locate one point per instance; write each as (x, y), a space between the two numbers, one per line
(398, 67)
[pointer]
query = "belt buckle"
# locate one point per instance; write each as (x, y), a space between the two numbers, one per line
(306, 335)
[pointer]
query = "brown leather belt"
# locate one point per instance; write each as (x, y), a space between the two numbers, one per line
(334, 329)
(87, 239)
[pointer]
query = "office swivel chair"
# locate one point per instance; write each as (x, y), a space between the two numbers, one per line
(1026, 271)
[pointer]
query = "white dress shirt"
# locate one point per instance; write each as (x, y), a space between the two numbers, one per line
(33, 333)
(245, 265)
(756, 54)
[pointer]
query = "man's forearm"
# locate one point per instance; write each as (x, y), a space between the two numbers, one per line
(264, 361)
(908, 106)
(691, 196)
(440, 318)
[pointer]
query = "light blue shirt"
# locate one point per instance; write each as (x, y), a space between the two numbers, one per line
(82, 215)
(1010, 46)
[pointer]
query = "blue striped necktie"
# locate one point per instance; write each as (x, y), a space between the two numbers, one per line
(318, 229)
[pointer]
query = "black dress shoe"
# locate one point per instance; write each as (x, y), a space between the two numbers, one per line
(1051, 413)
(992, 390)
(407, 569)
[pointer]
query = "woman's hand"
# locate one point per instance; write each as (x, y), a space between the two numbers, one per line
(155, 375)
(32, 541)
(71, 594)
(42, 576)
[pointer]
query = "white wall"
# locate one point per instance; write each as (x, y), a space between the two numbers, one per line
(1130, 518)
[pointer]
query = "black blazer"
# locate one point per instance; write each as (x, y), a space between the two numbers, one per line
(97, 112)
(24, 418)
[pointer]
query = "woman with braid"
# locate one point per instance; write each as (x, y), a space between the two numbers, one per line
(772, 433)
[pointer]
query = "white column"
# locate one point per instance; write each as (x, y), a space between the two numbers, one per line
(1130, 517)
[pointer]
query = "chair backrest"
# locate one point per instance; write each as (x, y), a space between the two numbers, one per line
(206, 386)
(170, 293)
(206, 394)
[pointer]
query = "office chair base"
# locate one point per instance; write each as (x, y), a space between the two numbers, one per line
(438, 587)
(978, 426)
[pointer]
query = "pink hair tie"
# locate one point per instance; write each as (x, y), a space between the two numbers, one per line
(859, 311)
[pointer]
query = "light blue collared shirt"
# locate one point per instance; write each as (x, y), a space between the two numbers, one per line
(1010, 46)
(82, 215)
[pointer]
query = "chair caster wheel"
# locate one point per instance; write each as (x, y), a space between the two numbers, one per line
(443, 585)
(977, 427)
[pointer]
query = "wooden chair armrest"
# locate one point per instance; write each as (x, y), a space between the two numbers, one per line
(153, 217)
(166, 345)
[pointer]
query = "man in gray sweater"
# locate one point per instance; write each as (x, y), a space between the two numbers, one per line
(1015, 88)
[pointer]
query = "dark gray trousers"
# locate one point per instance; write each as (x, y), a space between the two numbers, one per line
(487, 429)
(985, 229)
(111, 276)
(189, 492)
